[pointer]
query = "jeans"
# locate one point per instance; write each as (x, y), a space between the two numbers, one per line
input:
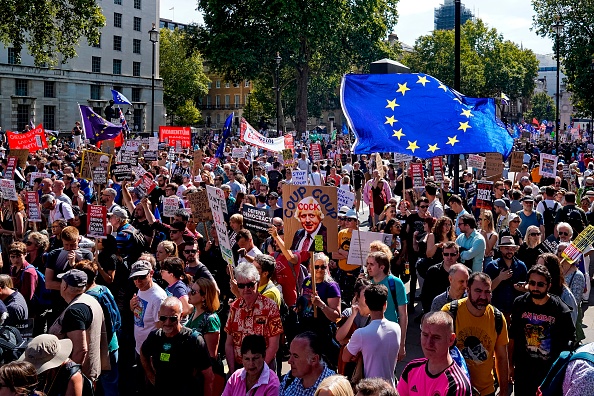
(108, 380)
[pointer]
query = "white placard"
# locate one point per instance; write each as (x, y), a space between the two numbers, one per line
(299, 178)
(345, 198)
(402, 157)
(153, 143)
(548, 165)
(216, 200)
(37, 175)
(238, 152)
(133, 145)
(170, 205)
(8, 190)
(475, 161)
(358, 251)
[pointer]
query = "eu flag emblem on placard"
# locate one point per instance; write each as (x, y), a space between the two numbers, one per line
(416, 114)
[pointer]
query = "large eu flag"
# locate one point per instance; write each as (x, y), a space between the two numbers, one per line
(97, 127)
(418, 115)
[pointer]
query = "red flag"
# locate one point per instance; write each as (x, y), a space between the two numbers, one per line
(118, 140)
(535, 122)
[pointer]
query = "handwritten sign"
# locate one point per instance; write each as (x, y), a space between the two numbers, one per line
(8, 190)
(402, 157)
(299, 177)
(200, 208)
(38, 175)
(33, 211)
(238, 152)
(494, 164)
(345, 198)
(216, 201)
(516, 161)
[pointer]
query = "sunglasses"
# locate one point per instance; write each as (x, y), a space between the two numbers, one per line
(424, 206)
(139, 277)
(173, 231)
(539, 284)
(449, 254)
(173, 318)
(318, 267)
(194, 292)
(563, 233)
(249, 285)
(193, 251)
(397, 226)
(534, 234)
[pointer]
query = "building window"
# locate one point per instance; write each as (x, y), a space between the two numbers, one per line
(208, 101)
(218, 84)
(235, 85)
(136, 94)
(118, 2)
(137, 22)
(247, 83)
(23, 116)
(218, 119)
(95, 92)
(137, 4)
(136, 46)
(218, 100)
(117, 66)
(98, 43)
(14, 57)
(49, 89)
(117, 43)
(96, 64)
(21, 87)
(98, 110)
(138, 120)
(136, 69)
(117, 20)
(227, 101)
(49, 117)
(237, 100)
(210, 85)
(226, 85)
(118, 88)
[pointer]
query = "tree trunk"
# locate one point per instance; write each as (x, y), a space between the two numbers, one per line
(301, 100)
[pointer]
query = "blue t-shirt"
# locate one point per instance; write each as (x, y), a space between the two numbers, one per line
(401, 299)
(178, 289)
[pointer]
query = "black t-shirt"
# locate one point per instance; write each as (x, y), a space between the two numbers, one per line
(156, 194)
(274, 177)
(358, 178)
(78, 316)
(178, 361)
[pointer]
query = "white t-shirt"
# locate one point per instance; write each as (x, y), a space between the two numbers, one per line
(252, 253)
(147, 316)
(379, 343)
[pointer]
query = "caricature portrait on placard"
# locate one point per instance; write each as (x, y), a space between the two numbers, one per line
(91, 160)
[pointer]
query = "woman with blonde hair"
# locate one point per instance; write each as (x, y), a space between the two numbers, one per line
(335, 385)
(488, 232)
(165, 249)
(528, 252)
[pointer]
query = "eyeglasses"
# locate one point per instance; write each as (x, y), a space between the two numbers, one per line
(515, 221)
(139, 277)
(424, 206)
(173, 231)
(319, 267)
(397, 226)
(534, 234)
(249, 285)
(535, 283)
(449, 254)
(173, 318)
(194, 292)
(563, 233)
(350, 219)
(193, 251)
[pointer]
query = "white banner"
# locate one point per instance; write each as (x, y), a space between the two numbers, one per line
(250, 136)
(216, 200)
(299, 178)
(359, 247)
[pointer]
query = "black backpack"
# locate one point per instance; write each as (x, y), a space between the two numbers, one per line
(549, 215)
(574, 219)
(12, 344)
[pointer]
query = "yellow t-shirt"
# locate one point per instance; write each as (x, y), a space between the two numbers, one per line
(476, 339)
(272, 293)
(344, 243)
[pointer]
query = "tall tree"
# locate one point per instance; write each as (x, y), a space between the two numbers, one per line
(184, 81)
(49, 28)
(576, 44)
(542, 107)
(313, 38)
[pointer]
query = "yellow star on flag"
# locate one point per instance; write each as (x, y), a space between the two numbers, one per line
(433, 148)
(412, 146)
(422, 80)
(390, 120)
(398, 133)
(466, 113)
(445, 89)
(464, 126)
(392, 104)
(453, 140)
(402, 88)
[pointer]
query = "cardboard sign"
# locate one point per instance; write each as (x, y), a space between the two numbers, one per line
(97, 221)
(315, 150)
(8, 190)
(402, 157)
(200, 209)
(170, 206)
(99, 175)
(33, 210)
(256, 219)
(198, 154)
(108, 146)
(437, 165)
(238, 152)
(548, 165)
(216, 201)
(93, 159)
(299, 177)
(359, 246)
(309, 211)
(516, 161)
(483, 194)
(379, 165)
(417, 175)
(122, 172)
(38, 175)
(475, 161)
(494, 164)
(10, 167)
(172, 134)
(22, 155)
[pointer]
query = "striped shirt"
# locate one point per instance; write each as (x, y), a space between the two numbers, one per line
(416, 380)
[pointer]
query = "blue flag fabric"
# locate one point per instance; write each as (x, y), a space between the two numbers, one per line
(517, 133)
(226, 134)
(416, 114)
(345, 129)
(118, 98)
(97, 127)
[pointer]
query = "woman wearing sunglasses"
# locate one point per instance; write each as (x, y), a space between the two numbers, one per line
(528, 253)
(172, 272)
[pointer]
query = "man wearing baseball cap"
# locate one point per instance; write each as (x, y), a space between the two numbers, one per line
(84, 324)
(347, 274)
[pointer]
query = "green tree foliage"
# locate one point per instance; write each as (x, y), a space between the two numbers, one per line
(576, 44)
(314, 39)
(489, 64)
(50, 29)
(184, 81)
(542, 107)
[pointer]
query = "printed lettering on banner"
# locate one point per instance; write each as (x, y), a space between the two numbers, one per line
(256, 219)
(316, 152)
(548, 165)
(99, 175)
(216, 200)
(345, 198)
(299, 177)
(359, 247)
(417, 175)
(437, 165)
(38, 175)
(32, 140)
(402, 157)
(172, 134)
(97, 221)
(10, 167)
(8, 190)
(483, 194)
(33, 210)
(475, 161)
(170, 205)
(250, 136)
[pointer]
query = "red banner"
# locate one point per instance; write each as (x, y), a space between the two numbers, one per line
(316, 152)
(289, 143)
(34, 139)
(118, 141)
(417, 175)
(97, 221)
(173, 134)
(437, 165)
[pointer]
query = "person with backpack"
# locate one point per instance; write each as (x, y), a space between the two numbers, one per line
(572, 214)
(541, 328)
(548, 208)
(579, 371)
(24, 275)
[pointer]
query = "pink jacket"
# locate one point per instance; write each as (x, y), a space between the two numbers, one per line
(267, 385)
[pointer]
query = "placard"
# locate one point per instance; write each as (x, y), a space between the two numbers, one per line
(122, 172)
(146, 183)
(129, 157)
(402, 157)
(8, 190)
(132, 145)
(108, 146)
(153, 143)
(93, 159)
(10, 167)
(437, 165)
(172, 134)
(315, 150)
(345, 198)
(97, 221)
(33, 210)
(525, 135)
(548, 165)
(22, 155)
(200, 209)
(38, 175)
(238, 152)
(417, 175)
(150, 155)
(288, 158)
(178, 147)
(516, 161)
(475, 161)
(198, 154)
(309, 211)
(359, 247)
(256, 219)
(379, 165)
(216, 201)
(299, 177)
(483, 194)
(99, 175)
(170, 206)
(494, 164)
(549, 245)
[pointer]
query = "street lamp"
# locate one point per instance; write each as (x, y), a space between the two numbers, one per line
(154, 38)
(557, 28)
(249, 103)
(278, 123)
(128, 117)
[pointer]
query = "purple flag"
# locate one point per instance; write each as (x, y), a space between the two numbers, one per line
(96, 127)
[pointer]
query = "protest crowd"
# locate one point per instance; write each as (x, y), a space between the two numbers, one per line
(155, 266)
